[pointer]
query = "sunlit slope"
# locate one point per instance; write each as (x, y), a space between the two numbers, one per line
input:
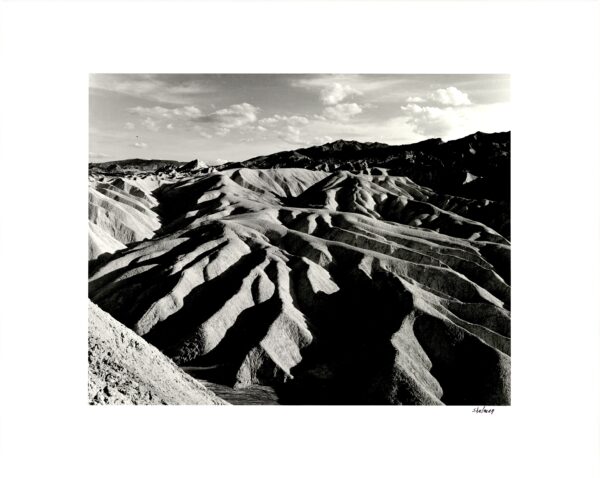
(336, 287)
(126, 370)
(119, 212)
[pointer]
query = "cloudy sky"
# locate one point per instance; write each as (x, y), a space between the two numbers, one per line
(219, 118)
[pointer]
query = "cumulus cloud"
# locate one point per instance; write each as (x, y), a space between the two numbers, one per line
(216, 123)
(431, 120)
(450, 96)
(139, 144)
(271, 121)
(342, 111)
(412, 108)
(187, 112)
(93, 155)
(441, 116)
(234, 116)
(129, 125)
(336, 93)
(150, 124)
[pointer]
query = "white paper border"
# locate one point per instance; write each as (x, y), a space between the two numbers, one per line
(47, 52)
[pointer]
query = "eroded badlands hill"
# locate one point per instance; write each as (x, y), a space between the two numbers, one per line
(120, 212)
(134, 166)
(332, 287)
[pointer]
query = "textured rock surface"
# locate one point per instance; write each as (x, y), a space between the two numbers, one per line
(135, 165)
(193, 165)
(119, 212)
(331, 287)
(125, 369)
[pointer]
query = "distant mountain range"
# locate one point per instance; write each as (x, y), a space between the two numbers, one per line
(476, 166)
(135, 164)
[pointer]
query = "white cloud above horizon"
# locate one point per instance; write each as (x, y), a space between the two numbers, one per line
(249, 115)
(336, 93)
(219, 122)
(342, 111)
(450, 96)
(448, 113)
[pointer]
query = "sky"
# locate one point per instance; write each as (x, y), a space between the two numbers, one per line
(220, 118)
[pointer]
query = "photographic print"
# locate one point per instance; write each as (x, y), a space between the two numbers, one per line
(306, 239)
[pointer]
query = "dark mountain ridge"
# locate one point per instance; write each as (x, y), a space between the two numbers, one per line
(476, 166)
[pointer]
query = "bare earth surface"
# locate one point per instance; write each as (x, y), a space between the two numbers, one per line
(125, 370)
(300, 286)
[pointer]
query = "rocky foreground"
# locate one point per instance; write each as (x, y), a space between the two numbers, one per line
(125, 370)
(350, 283)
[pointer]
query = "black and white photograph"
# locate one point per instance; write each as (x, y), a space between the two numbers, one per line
(331, 239)
(299, 238)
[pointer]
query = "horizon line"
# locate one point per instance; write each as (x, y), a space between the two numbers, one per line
(297, 149)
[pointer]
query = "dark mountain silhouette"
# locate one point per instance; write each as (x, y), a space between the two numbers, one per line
(476, 166)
